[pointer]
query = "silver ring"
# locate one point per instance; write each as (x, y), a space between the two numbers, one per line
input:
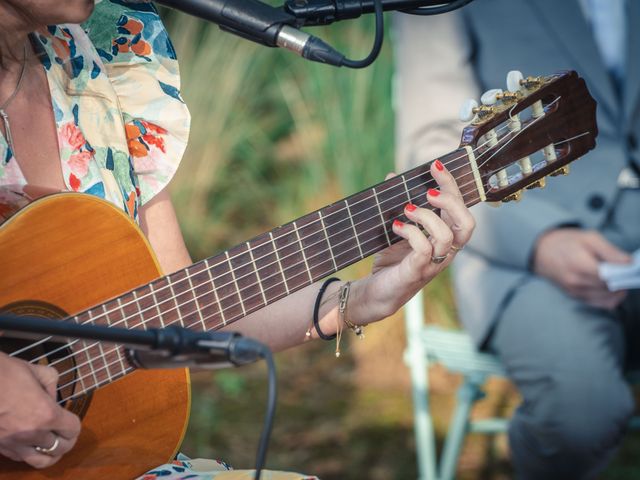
(48, 451)
(439, 259)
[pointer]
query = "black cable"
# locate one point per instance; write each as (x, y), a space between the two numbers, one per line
(436, 10)
(377, 43)
(271, 410)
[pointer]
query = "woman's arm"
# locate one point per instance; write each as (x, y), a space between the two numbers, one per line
(398, 273)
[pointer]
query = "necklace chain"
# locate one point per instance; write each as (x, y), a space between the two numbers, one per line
(7, 102)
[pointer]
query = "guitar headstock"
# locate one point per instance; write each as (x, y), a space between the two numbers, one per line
(524, 134)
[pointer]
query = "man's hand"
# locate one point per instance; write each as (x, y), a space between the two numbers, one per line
(569, 257)
(30, 416)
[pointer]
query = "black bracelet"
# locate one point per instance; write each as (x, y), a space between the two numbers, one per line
(316, 309)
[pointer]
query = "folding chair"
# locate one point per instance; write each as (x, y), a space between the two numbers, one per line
(454, 350)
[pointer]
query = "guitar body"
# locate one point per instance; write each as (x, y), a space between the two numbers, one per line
(58, 256)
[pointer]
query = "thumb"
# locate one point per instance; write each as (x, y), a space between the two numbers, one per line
(606, 251)
(48, 378)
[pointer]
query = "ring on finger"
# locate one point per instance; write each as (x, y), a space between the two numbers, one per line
(456, 249)
(48, 450)
(437, 259)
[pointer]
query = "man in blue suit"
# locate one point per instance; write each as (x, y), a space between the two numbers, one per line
(527, 285)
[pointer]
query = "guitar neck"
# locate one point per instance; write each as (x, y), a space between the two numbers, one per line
(222, 289)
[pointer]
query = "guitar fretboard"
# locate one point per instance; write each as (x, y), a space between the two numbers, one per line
(224, 288)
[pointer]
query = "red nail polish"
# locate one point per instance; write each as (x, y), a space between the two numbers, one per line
(439, 165)
(410, 207)
(398, 223)
(433, 192)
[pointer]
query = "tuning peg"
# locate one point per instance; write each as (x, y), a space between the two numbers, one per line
(540, 183)
(468, 110)
(514, 197)
(490, 97)
(561, 171)
(514, 80)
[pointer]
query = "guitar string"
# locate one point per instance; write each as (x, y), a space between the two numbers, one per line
(107, 380)
(211, 267)
(119, 360)
(253, 272)
(144, 321)
(177, 307)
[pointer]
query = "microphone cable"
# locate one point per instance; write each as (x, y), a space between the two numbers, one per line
(270, 413)
(377, 43)
(438, 8)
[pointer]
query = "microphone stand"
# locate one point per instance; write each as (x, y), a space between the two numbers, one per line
(169, 347)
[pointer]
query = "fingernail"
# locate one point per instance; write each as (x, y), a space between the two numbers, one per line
(397, 223)
(439, 165)
(433, 192)
(410, 207)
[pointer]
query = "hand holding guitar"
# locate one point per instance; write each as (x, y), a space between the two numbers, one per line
(33, 427)
(427, 250)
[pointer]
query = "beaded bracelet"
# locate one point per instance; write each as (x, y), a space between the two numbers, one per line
(316, 310)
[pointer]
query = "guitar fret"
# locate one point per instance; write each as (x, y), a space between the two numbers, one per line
(105, 365)
(275, 249)
(157, 307)
(304, 257)
(193, 292)
(255, 268)
(114, 348)
(355, 232)
(235, 282)
(215, 293)
(382, 220)
(406, 189)
(142, 320)
(124, 317)
(175, 301)
(326, 236)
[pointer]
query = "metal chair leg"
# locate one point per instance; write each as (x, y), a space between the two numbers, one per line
(468, 394)
(416, 359)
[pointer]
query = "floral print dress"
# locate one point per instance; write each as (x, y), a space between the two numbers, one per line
(122, 129)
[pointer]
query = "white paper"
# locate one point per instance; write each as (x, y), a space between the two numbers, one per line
(621, 277)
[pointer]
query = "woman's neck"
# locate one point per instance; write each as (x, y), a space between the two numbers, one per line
(14, 33)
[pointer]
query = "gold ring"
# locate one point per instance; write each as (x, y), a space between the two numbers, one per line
(48, 451)
(456, 249)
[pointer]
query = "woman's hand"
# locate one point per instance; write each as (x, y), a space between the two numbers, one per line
(30, 416)
(405, 267)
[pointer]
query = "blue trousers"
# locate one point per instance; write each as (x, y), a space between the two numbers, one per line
(567, 361)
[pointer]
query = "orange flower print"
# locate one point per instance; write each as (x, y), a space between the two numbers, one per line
(141, 48)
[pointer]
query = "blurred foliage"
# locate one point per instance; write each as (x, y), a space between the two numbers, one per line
(274, 137)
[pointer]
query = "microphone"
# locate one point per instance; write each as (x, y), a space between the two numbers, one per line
(260, 23)
(168, 347)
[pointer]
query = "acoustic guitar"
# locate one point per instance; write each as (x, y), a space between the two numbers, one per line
(78, 258)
